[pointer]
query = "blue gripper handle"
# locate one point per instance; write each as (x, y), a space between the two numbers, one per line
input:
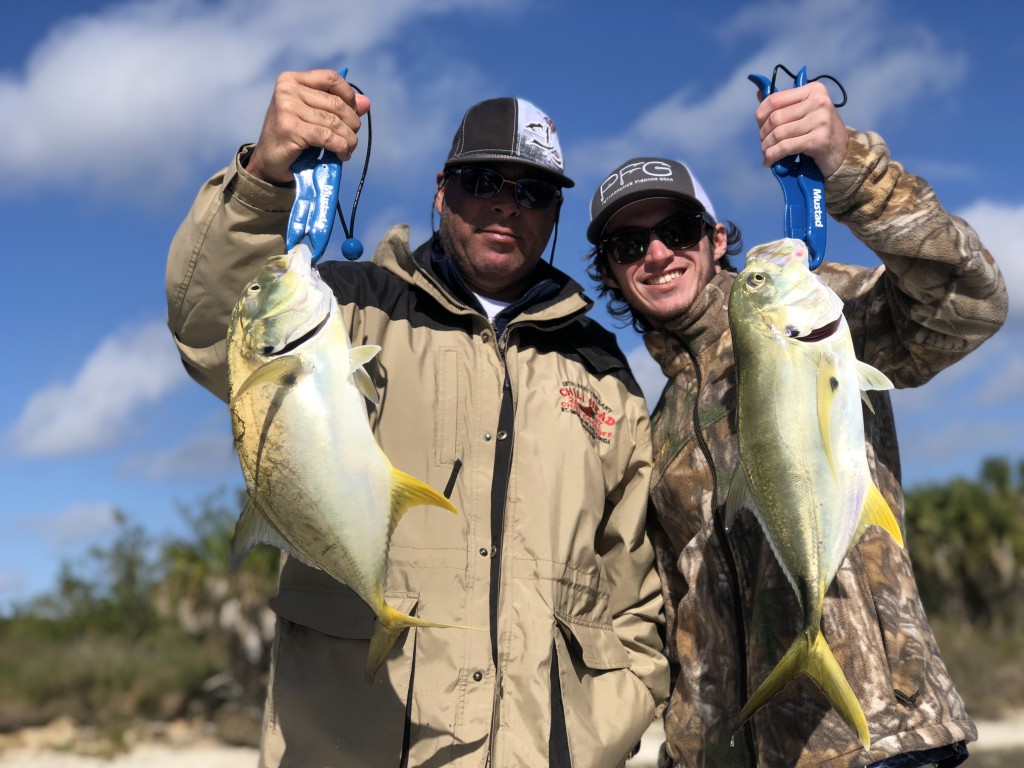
(802, 187)
(317, 183)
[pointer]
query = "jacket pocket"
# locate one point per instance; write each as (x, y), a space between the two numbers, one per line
(310, 597)
(605, 706)
(450, 392)
(318, 689)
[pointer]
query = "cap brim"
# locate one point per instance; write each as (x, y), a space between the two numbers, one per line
(596, 228)
(484, 158)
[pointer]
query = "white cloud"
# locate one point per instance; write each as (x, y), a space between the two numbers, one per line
(999, 225)
(125, 373)
(205, 456)
(712, 127)
(78, 523)
(134, 92)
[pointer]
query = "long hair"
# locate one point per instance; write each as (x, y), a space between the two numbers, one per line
(617, 305)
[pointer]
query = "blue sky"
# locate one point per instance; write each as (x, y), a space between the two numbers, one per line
(113, 113)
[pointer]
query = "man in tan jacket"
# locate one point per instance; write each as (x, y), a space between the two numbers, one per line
(496, 387)
(662, 256)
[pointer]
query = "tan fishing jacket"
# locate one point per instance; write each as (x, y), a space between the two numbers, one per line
(938, 296)
(542, 439)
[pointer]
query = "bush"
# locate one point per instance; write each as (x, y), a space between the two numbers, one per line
(966, 541)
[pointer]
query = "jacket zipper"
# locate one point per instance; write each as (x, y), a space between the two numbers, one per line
(723, 541)
(499, 493)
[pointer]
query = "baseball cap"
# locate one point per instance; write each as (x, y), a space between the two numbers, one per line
(509, 130)
(640, 179)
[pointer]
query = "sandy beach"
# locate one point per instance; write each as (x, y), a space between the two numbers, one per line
(30, 750)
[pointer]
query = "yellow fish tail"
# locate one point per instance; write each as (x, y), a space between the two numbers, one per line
(389, 625)
(810, 654)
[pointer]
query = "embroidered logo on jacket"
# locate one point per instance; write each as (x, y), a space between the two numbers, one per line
(593, 414)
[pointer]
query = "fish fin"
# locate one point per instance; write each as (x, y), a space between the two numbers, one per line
(876, 511)
(253, 528)
(827, 385)
(386, 630)
(357, 358)
(365, 385)
(283, 371)
(870, 378)
(867, 401)
(360, 356)
(407, 491)
(741, 496)
(809, 654)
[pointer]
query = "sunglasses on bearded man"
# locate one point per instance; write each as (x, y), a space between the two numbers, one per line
(483, 182)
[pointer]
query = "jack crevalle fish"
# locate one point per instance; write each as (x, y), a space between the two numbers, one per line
(320, 488)
(803, 469)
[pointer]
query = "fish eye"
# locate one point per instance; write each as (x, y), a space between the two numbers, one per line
(755, 279)
(254, 288)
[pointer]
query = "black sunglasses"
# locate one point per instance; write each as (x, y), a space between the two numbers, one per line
(678, 232)
(483, 182)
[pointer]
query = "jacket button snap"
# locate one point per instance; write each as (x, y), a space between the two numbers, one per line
(502, 435)
(483, 552)
(478, 676)
(487, 436)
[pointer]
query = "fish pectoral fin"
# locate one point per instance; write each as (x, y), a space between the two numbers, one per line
(827, 387)
(870, 378)
(876, 511)
(386, 630)
(741, 496)
(809, 654)
(360, 356)
(253, 528)
(365, 385)
(285, 371)
(407, 491)
(357, 358)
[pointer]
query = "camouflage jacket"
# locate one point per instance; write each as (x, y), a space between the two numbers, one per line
(938, 296)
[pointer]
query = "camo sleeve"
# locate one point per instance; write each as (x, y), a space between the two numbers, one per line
(235, 223)
(939, 294)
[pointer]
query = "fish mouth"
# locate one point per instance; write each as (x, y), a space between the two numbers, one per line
(294, 344)
(817, 334)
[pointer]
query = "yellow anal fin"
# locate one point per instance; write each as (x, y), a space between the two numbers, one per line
(876, 511)
(407, 491)
(809, 654)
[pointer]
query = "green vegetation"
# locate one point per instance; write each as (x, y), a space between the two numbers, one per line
(141, 630)
(160, 630)
(966, 539)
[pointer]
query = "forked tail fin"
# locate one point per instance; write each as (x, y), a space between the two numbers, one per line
(386, 629)
(811, 655)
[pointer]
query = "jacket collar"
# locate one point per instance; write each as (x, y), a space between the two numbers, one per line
(552, 297)
(702, 325)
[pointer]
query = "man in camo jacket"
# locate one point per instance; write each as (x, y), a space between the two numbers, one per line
(936, 296)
